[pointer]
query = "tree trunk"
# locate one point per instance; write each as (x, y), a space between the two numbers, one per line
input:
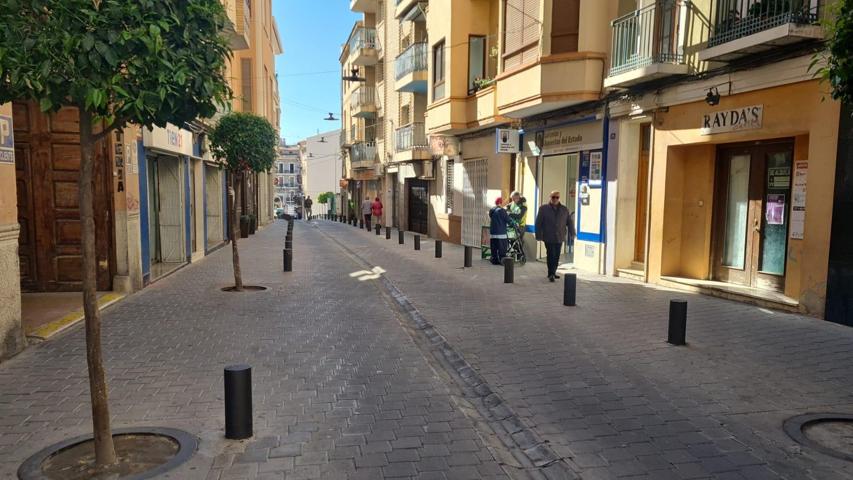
(105, 453)
(235, 229)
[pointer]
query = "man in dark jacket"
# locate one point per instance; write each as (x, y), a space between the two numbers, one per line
(553, 222)
(498, 242)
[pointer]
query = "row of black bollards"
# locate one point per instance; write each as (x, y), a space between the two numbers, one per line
(287, 254)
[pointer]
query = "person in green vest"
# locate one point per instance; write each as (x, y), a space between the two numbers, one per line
(517, 210)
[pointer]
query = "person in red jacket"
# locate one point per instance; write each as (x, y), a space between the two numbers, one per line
(376, 210)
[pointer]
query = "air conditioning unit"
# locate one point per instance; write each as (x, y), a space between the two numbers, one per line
(424, 170)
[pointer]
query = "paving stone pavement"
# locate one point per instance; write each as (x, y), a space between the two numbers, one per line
(342, 389)
(598, 382)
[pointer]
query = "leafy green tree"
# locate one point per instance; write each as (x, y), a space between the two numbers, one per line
(835, 64)
(324, 197)
(246, 143)
(147, 62)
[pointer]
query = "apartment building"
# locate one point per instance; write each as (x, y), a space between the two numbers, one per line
(159, 196)
(287, 174)
(722, 150)
(321, 163)
(679, 132)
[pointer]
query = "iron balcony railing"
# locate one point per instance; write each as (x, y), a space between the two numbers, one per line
(363, 38)
(413, 59)
(364, 154)
(740, 18)
(652, 34)
(411, 137)
(362, 97)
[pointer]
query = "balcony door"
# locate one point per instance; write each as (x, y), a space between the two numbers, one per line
(752, 205)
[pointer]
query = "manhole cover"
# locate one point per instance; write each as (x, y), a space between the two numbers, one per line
(828, 433)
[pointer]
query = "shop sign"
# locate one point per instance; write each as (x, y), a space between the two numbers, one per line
(585, 136)
(169, 139)
(734, 120)
(7, 140)
(441, 145)
(507, 140)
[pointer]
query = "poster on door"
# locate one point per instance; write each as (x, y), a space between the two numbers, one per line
(595, 169)
(775, 209)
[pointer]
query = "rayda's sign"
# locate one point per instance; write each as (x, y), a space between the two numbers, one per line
(734, 120)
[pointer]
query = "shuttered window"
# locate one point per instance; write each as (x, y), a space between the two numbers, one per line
(564, 26)
(246, 73)
(448, 186)
(522, 30)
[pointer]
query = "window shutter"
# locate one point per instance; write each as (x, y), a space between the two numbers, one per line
(246, 73)
(564, 26)
(531, 22)
(513, 27)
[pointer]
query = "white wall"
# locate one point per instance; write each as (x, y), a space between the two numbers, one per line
(321, 165)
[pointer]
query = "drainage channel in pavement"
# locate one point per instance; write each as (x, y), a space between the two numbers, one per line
(513, 443)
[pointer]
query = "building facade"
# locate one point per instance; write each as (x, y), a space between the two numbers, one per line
(321, 163)
(287, 180)
(668, 126)
(159, 196)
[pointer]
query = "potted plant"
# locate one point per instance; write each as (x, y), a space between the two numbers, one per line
(244, 226)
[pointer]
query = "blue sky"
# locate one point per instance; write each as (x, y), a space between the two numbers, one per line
(312, 32)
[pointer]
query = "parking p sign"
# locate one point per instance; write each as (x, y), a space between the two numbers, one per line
(7, 140)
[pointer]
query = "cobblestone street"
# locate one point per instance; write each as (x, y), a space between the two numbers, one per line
(372, 360)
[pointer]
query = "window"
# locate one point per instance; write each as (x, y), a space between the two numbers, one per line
(564, 26)
(521, 27)
(405, 115)
(380, 71)
(291, 168)
(246, 73)
(280, 168)
(448, 186)
(438, 71)
(476, 62)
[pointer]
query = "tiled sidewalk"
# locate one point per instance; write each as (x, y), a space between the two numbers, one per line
(341, 390)
(601, 386)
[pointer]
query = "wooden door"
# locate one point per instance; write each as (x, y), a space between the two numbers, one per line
(48, 164)
(751, 212)
(642, 194)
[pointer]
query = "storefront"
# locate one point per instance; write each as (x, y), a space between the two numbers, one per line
(486, 175)
(741, 196)
(167, 236)
(568, 159)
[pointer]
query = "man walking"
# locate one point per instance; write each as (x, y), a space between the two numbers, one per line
(366, 210)
(308, 202)
(553, 222)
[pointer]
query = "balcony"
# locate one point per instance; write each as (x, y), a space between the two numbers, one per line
(408, 10)
(411, 143)
(238, 27)
(454, 116)
(363, 155)
(364, 6)
(364, 46)
(411, 69)
(649, 44)
(749, 27)
(363, 102)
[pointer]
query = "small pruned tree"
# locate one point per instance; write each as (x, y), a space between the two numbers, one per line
(324, 197)
(147, 62)
(245, 143)
(834, 65)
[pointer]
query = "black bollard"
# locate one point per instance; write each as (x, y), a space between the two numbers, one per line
(438, 249)
(288, 260)
(401, 237)
(378, 229)
(238, 402)
(417, 242)
(288, 243)
(468, 257)
(570, 285)
(509, 269)
(387, 233)
(677, 322)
